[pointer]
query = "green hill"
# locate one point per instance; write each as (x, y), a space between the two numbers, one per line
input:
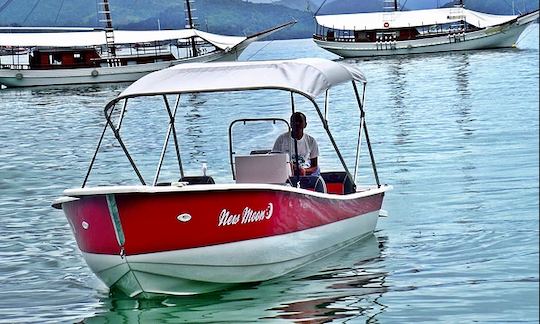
(231, 17)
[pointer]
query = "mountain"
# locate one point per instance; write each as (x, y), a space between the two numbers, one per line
(487, 6)
(230, 17)
(235, 17)
(302, 5)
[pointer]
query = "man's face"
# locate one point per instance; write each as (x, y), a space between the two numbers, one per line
(297, 123)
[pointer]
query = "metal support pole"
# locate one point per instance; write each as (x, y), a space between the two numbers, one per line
(124, 148)
(122, 113)
(296, 163)
(172, 117)
(326, 96)
(175, 138)
(334, 144)
(96, 151)
(360, 129)
(372, 157)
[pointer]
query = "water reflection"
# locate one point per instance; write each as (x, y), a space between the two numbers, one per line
(398, 89)
(465, 119)
(345, 285)
(463, 106)
(194, 136)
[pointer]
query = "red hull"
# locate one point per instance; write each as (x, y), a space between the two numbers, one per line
(151, 222)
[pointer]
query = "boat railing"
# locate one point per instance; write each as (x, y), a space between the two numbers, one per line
(15, 66)
(390, 35)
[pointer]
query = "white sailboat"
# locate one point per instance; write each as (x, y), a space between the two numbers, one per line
(84, 55)
(419, 31)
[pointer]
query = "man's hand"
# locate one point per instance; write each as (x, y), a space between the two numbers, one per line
(301, 171)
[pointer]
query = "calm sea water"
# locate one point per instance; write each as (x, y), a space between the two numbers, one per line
(457, 134)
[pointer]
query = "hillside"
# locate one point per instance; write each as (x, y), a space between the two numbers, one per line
(235, 17)
(487, 6)
(231, 17)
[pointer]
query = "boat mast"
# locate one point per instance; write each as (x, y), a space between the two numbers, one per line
(190, 25)
(109, 33)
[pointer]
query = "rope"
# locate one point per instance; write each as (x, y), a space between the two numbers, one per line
(5, 5)
(31, 11)
(260, 49)
(513, 6)
(322, 4)
(58, 13)
(403, 6)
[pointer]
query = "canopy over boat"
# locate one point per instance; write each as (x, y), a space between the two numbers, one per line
(97, 38)
(308, 76)
(404, 19)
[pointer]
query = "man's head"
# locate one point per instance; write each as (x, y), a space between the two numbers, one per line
(298, 123)
(299, 119)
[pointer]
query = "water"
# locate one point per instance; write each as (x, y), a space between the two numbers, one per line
(457, 135)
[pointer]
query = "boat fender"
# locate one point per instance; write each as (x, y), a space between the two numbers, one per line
(19, 76)
(386, 24)
(184, 217)
(95, 73)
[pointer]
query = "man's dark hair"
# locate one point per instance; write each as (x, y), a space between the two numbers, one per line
(296, 115)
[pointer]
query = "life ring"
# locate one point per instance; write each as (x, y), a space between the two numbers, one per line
(19, 76)
(95, 73)
(386, 24)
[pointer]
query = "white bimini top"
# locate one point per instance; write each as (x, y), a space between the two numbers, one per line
(97, 38)
(308, 76)
(414, 18)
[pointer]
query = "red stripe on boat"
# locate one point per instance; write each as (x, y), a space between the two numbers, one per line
(153, 222)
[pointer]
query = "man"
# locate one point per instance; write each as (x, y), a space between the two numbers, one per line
(308, 150)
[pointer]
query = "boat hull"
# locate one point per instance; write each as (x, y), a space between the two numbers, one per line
(25, 77)
(190, 242)
(502, 36)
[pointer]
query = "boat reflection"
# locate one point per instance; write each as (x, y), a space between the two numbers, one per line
(346, 285)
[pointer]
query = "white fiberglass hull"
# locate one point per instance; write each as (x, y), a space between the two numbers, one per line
(492, 37)
(128, 73)
(210, 268)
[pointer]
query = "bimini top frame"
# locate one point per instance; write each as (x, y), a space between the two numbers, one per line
(308, 77)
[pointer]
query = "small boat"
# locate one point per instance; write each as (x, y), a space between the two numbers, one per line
(62, 56)
(418, 31)
(192, 234)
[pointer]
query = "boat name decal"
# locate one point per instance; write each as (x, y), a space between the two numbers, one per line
(248, 215)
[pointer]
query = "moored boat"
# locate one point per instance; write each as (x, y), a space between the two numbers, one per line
(418, 31)
(57, 56)
(191, 235)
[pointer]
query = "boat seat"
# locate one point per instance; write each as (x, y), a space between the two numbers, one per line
(338, 182)
(262, 168)
(194, 180)
(313, 183)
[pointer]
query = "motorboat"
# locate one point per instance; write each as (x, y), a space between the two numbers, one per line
(62, 56)
(195, 233)
(418, 31)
